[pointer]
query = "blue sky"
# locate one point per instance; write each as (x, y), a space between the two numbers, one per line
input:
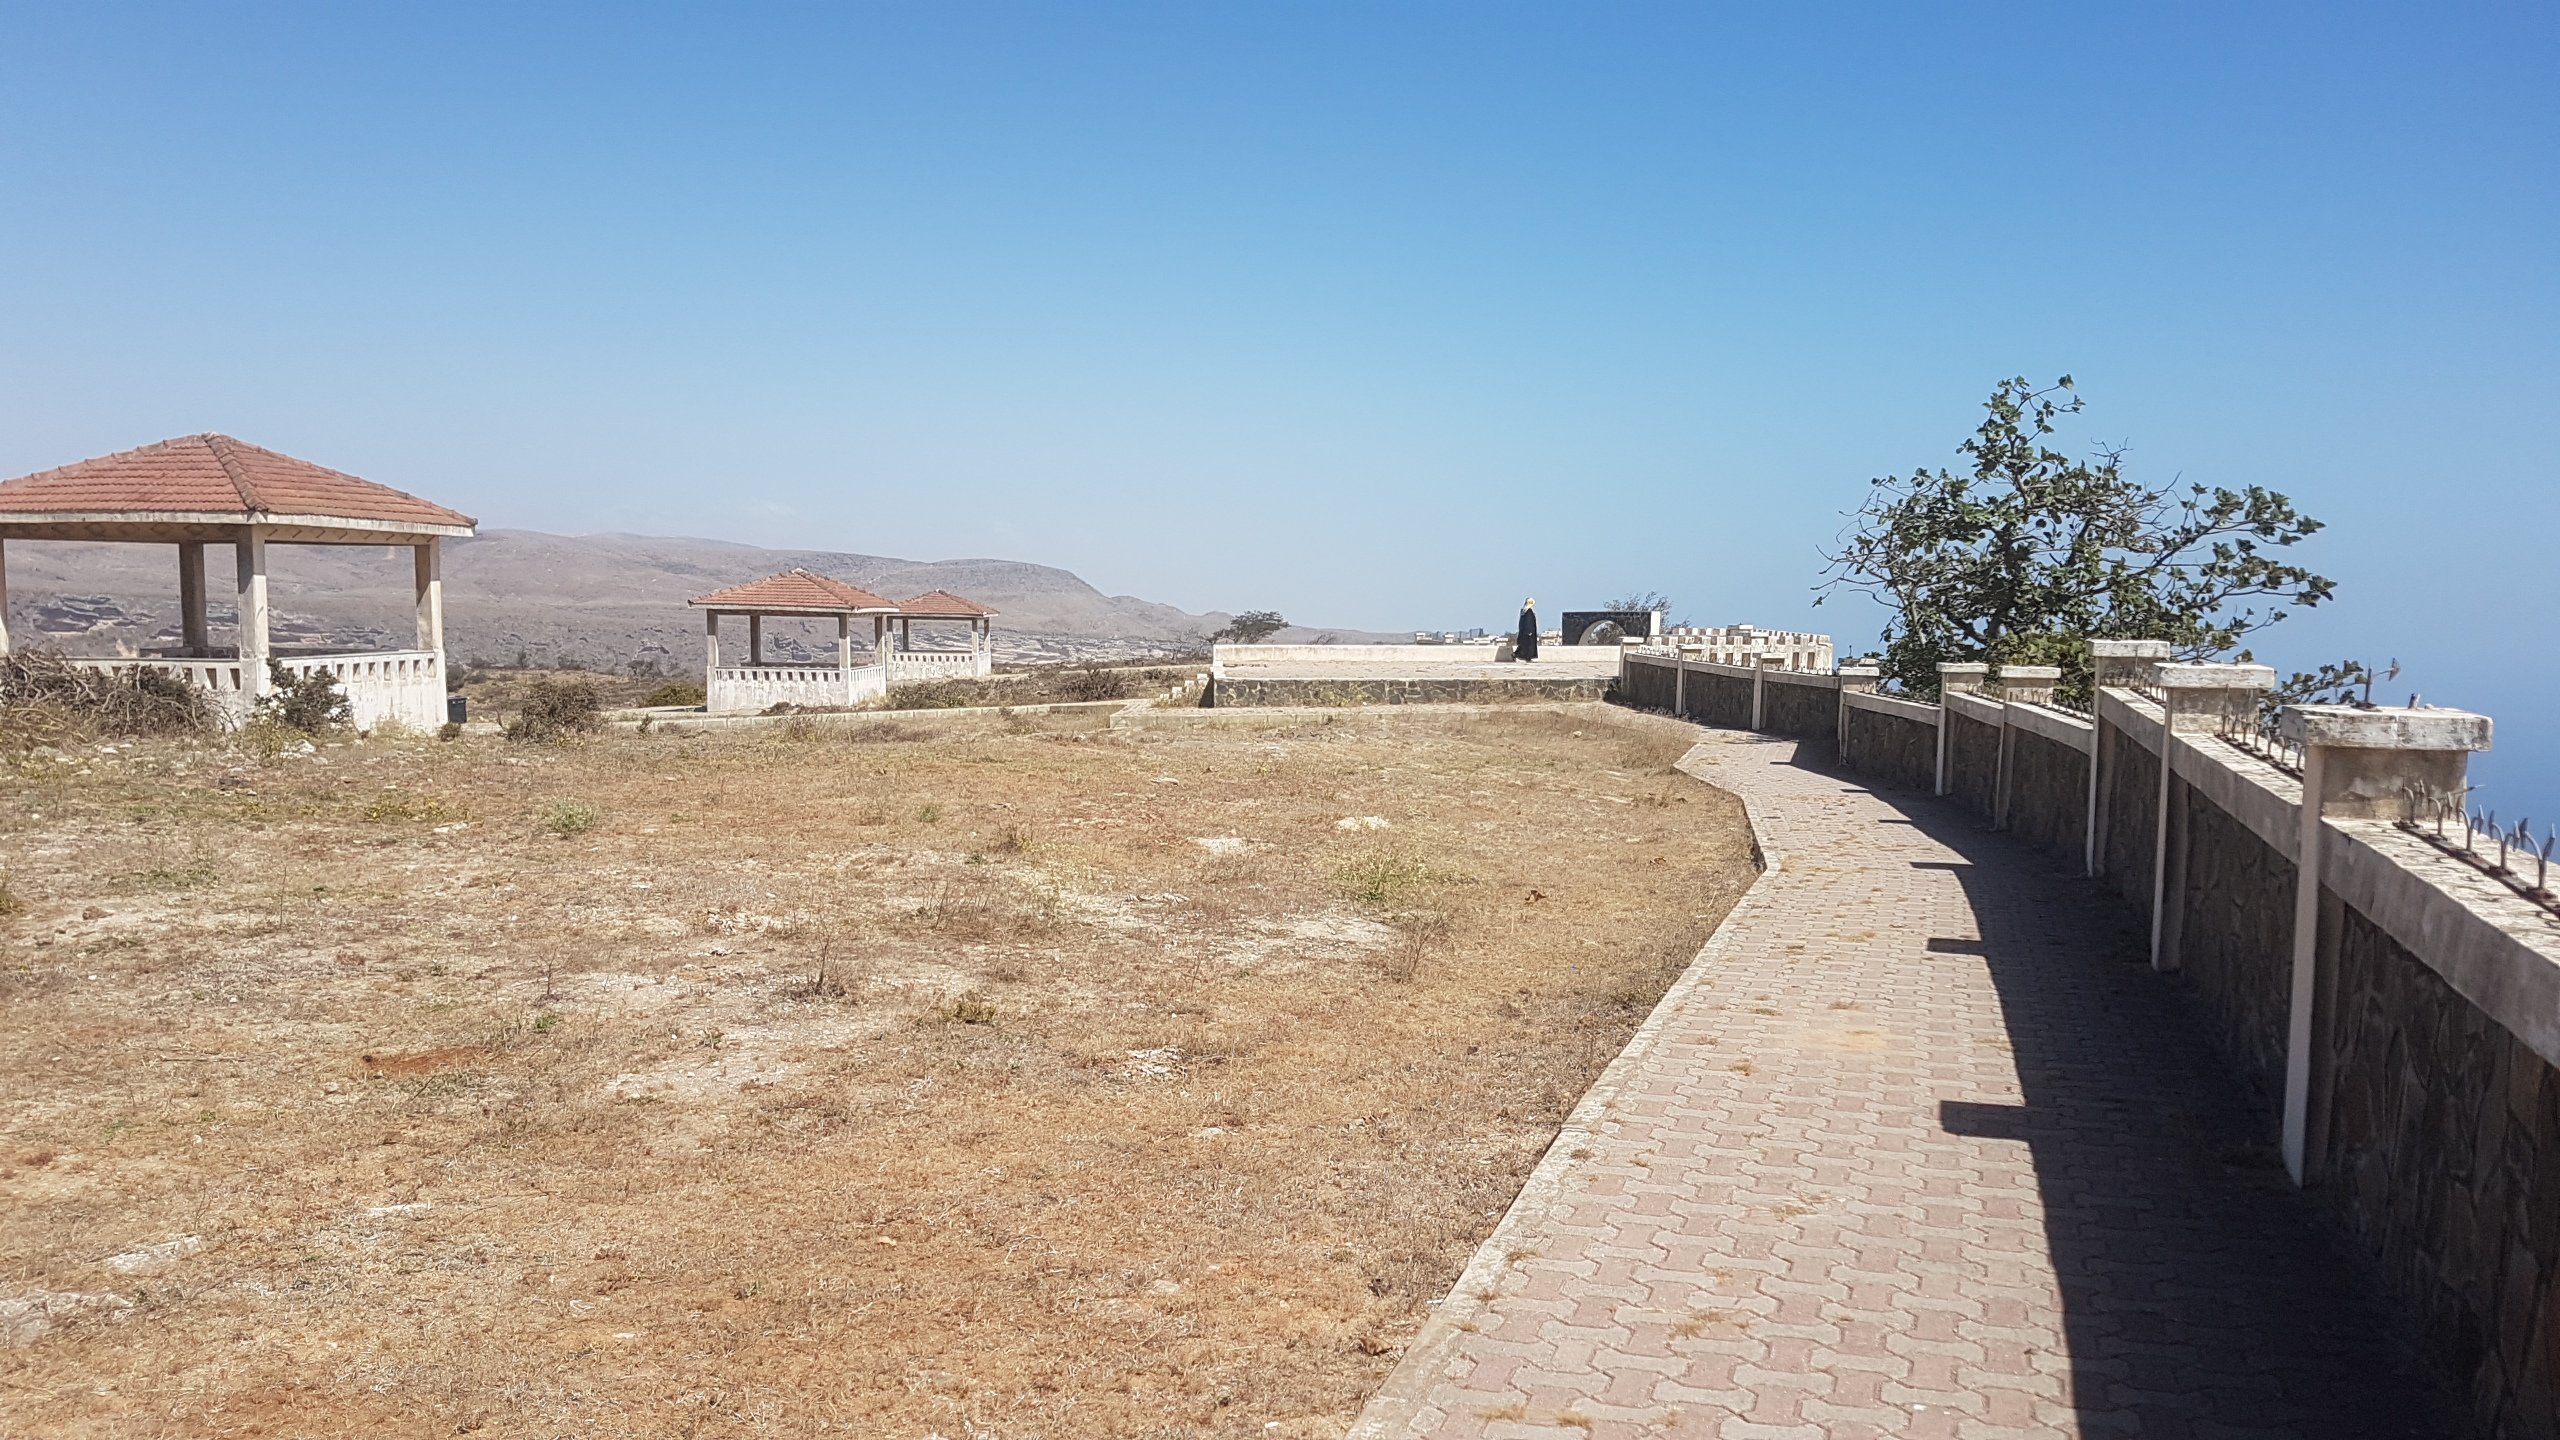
(1379, 315)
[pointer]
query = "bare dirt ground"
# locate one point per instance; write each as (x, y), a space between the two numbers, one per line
(1018, 1084)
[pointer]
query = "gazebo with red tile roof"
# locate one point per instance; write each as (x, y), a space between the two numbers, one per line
(211, 489)
(976, 662)
(756, 686)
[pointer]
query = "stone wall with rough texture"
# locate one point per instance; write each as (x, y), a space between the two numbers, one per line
(1807, 712)
(1973, 763)
(2132, 780)
(1723, 701)
(2049, 794)
(1647, 686)
(1238, 691)
(1892, 749)
(2235, 943)
(2441, 1153)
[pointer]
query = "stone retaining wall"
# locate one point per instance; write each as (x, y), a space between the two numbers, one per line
(1973, 763)
(1722, 700)
(1806, 711)
(2234, 941)
(1892, 749)
(2048, 794)
(1244, 690)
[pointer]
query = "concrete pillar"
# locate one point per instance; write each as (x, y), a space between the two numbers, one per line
(2198, 700)
(2125, 662)
(755, 639)
(1760, 687)
(2111, 662)
(197, 633)
(880, 639)
(429, 558)
(844, 657)
(2029, 684)
(4, 597)
(251, 552)
(1960, 677)
(710, 648)
(2357, 764)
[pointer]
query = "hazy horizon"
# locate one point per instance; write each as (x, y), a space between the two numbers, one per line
(1379, 318)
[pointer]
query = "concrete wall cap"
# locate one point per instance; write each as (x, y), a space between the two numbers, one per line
(1963, 667)
(2350, 727)
(1861, 672)
(2030, 672)
(2129, 649)
(2217, 677)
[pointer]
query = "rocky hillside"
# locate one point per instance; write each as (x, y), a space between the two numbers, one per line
(603, 601)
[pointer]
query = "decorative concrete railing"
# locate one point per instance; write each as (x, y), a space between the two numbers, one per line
(405, 687)
(752, 689)
(908, 666)
(402, 686)
(2395, 1009)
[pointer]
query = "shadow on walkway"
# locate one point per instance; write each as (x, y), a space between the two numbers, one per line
(2203, 1295)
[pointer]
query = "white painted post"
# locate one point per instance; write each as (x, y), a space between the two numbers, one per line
(196, 632)
(2357, 764)
(429, 562)
(4, 597)
(1961, 676)
(710, 650)
(844, 657)
(2111, 662)
(755, 639)
(2198, 699)
(251, 569)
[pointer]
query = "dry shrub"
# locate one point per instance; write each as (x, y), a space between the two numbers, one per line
(310, 703)
(45, 699)
(674, 693)
(556, 710)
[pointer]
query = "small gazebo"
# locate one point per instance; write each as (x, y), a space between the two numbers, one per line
(976, 663)
(201, 490)
(753, 687)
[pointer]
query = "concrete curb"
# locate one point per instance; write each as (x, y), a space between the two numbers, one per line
(1391, 1411)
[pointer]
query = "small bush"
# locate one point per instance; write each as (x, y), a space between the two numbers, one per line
(449, 730)
(674, 692)
(972, 1010)
(310, 703)
(10, 904)
(1387, 881)
(570, 817)
(556, 710)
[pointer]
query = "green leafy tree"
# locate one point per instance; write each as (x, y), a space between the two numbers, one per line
(2028, 554)
(1250, 628)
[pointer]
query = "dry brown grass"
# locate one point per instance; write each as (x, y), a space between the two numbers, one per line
(820, 1087)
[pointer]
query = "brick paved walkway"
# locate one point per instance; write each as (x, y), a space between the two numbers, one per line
(1920, 1147)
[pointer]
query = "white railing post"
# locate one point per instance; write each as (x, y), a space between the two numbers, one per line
(2356, 764)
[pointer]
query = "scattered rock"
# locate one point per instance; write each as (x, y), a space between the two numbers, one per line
(1220, 844)
(1362, 822)
(152, 1259)
(25, 1319)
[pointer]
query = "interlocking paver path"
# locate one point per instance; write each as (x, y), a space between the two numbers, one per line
(1919, 1147)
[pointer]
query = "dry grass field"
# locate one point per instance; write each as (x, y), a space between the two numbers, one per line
(1017, 1083)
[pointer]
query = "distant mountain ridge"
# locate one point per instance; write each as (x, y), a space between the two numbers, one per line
(607, 601)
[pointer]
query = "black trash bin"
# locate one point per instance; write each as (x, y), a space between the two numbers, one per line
(457, 708)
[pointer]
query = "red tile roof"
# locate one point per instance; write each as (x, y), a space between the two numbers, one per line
(943, 605)
(795, 590)
(214, 475)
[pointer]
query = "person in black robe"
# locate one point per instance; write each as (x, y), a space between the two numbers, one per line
(1527, 648)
